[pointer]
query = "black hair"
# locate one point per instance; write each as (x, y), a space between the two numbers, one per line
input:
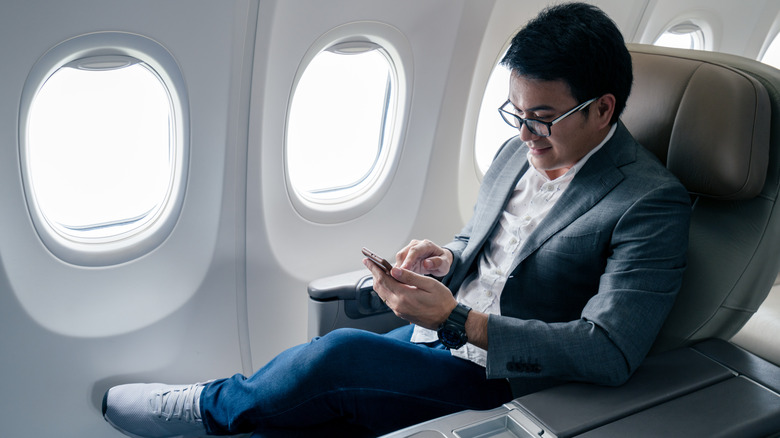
(578, 44)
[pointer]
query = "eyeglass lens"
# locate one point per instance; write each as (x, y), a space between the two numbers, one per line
(536, 127)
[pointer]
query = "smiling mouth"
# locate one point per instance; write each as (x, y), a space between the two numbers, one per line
(538, 149)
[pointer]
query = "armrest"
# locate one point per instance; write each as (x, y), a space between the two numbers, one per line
(356, 289)
(340, 287)
(574, 408)
(348, 300)
(704, 390)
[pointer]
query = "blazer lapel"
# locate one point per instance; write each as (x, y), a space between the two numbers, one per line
(501, 188)
(591, 183)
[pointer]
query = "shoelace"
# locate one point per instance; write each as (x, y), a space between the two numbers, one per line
(176, 403)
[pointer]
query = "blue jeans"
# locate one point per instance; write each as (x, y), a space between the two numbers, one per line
(349, 383)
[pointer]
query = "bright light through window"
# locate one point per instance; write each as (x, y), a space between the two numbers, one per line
(492, 132)
(341, 123)
(685, 35)
(100, 147)
(772, 54)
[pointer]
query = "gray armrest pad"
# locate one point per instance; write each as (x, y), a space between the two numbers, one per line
(742, 362)
(340, 287)
(737, 407)
(571, 409)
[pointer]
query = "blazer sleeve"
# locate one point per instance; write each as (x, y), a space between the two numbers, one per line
(457, 246)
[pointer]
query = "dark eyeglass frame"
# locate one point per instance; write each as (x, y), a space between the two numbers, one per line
(535, 125)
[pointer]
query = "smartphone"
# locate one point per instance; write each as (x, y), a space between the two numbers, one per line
(379, 261)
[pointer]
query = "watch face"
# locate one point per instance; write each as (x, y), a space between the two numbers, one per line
(449, 337)
(453, 332)
(452, 337)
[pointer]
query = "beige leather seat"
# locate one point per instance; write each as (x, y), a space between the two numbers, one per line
(714, 119)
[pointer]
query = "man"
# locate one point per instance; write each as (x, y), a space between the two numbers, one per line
(565, 272)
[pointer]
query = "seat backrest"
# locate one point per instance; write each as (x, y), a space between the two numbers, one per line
(714, 120)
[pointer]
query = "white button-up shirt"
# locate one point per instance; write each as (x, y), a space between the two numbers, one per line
(534, 195)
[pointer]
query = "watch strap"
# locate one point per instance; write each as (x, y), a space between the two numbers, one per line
(459, 315)
(452, 332)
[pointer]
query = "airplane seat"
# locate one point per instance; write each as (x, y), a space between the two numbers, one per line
(714, 120)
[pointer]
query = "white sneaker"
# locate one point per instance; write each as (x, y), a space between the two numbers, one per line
(155, 410)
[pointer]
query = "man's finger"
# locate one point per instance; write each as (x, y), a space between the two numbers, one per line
(412, 278)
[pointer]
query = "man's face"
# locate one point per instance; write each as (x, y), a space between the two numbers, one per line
(570, 139)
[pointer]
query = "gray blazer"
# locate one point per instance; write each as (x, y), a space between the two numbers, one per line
(594, 282)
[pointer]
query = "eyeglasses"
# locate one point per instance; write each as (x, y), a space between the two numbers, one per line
(537, 127)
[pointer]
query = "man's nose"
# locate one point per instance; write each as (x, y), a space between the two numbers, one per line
(526, 134)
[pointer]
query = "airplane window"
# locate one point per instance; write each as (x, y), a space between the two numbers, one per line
(103, 133)
(685, 35)
(772, 54)
(340, 126)
(99, 147)
(492, 132)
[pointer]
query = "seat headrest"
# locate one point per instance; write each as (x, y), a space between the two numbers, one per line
(709, 123)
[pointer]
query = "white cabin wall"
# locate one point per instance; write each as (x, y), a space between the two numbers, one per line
(736, 27)
(440, 216)
(68, 332)
(227, 290)
(285, 251)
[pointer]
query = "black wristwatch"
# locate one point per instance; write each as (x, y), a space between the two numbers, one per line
(452, 332)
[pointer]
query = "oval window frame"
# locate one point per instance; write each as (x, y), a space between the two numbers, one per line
(488, 117)
(397, 50)
(131, 244)
(695, 24)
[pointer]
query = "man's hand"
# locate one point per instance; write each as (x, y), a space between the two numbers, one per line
(420, 300)
(424, 257)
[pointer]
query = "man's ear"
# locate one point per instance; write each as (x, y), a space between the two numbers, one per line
(604, 108)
